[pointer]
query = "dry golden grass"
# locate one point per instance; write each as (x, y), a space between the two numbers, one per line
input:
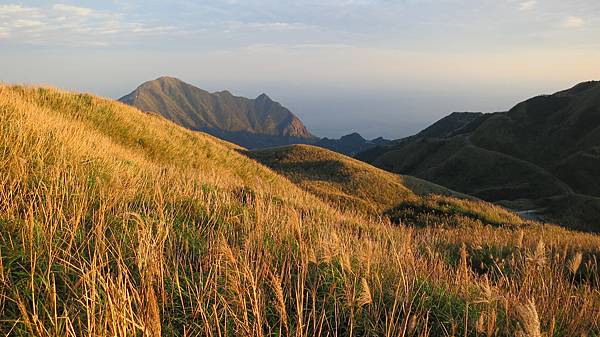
(118, 223)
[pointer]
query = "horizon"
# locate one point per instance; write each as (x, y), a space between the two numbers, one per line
(372, 67)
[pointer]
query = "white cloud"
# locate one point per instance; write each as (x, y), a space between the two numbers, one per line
(62, 24)
(73, 10)
(572, 22)
(6, 10)
(276, 26)
(527, 5)
(25, 23)
(140, 28)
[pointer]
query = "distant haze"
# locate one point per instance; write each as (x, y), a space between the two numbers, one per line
(381, 68)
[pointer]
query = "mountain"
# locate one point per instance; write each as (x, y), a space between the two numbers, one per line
(450, 125)
(252, 123)
(116, 222)
(540, 157)
(350, 144)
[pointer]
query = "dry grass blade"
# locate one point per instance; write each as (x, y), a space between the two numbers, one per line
(529, 322)
(365, 293)
(575, 262)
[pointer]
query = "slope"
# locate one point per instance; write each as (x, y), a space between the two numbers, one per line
(542, 152)
(259, 122)
(114, 222)
(353, 185)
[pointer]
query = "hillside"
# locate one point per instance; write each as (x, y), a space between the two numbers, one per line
(251, 123)
(452, 124)
(350, 144)
(114, 222)
(544, 152)
(356, 186)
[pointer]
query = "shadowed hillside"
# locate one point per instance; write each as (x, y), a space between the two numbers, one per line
(115, 222)
(542, 153)
(451, 125)
(251, 123)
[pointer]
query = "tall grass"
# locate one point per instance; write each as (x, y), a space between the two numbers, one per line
(117, 223)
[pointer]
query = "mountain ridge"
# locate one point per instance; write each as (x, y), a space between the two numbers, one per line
(350, 144)
(544, 149)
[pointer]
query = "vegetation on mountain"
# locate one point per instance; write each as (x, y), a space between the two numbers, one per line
(251, 123)
(115, 222)
(451, 125)
(543, 152)
(355, 186)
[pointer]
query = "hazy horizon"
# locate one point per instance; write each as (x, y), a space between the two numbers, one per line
(379, 68)
(334, 111)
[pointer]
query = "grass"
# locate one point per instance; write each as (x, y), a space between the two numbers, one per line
(540, 156)
(338, 179)
(354, 186)
(119, 223)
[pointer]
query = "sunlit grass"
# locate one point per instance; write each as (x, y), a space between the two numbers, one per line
(118, 223)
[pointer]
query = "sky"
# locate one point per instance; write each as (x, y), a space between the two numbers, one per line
(378, 67)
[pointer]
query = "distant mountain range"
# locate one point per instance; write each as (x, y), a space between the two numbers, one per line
(542, 157)
(252, 123)
(350, 144)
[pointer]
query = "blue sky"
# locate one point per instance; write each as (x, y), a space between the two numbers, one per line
(377, 67)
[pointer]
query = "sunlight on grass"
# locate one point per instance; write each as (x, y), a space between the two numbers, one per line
(118, 223)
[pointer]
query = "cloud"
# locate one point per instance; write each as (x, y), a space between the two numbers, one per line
(572, 22)
(68, 25)
(140, 28)
(73, 10)
(7, 10)
(527, 5)
(274, 26)
(24, 23)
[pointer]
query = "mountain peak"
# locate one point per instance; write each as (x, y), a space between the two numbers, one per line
(247, 122)
(582, 87)
(263, 97)
(350, 144)
(224, 93)
(161, 82)
(355, 136)
(167, 79)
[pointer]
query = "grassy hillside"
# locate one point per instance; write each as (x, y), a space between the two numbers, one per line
(543, 150)
(118, 223)
(355, 186)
